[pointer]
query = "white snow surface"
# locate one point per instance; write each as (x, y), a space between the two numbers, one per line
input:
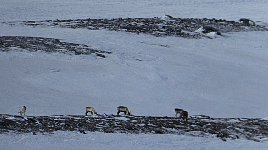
(102, 141)
(14, 10)
(221, 77)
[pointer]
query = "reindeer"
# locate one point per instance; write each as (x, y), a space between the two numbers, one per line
(123, 109)
(22, 111)
(91, 110)
(183, 114)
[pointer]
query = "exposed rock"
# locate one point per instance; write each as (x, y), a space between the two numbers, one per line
(167, 26)
(247, 22)
(49, 45)
(223, 128)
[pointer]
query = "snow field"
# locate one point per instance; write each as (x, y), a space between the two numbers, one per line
(222, 77)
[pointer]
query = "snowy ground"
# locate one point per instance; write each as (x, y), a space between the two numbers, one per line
(101, 141)
(14, 10)
(223, 77)
(224, 73)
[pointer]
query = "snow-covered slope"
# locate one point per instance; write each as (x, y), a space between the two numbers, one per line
(222, 77)
(71, 141)
(55, 9)
(229, 74)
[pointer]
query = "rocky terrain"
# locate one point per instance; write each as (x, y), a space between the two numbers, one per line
(166, 26)
(49, 45)
(223, 128)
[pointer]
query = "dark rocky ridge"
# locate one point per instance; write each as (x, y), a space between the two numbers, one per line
(180, 27)
(223, 128)
(49, 45)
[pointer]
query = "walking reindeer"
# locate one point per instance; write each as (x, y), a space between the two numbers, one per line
(91, 110)
(123, 109)
(183, 114)
(22, 111)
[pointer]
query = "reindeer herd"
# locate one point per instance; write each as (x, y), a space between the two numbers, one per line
(180, 113)
(123, 109)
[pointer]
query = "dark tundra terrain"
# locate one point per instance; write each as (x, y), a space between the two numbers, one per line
(168, 26)
(49, 45)
(223, 128)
